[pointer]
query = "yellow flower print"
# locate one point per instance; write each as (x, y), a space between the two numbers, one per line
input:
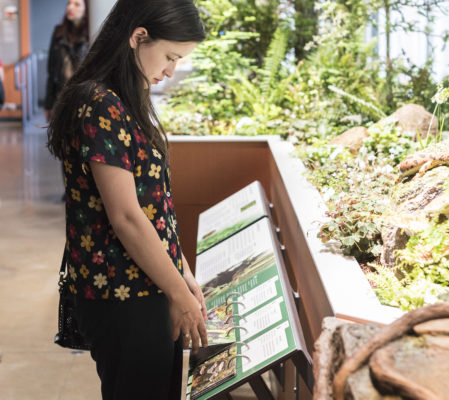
(84, 271)
(76, 195)
(128, 118)
(95, 203)
(72, 272)
(124, 137)
(180, 265)
(100, 280)
(154, 171)
(133, 272)
(138, 171)
(72, 289)
(68, 167)
(84, 110)
(122, 292)
(165, 244)
(144, 293)
(86, 241)
(105, 123)
(157, 154)
(150, 211)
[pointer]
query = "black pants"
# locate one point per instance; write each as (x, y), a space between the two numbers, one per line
(131, 343)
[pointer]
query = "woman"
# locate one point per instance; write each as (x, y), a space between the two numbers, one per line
(68, 47)
(134, 289)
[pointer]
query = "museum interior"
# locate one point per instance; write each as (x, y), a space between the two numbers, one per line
(309, 166)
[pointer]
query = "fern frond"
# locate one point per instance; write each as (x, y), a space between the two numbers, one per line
(275, 55)
(366, 104)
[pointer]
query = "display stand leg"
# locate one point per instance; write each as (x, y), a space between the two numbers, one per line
(279, 372)
(260, 388)
(305, 369)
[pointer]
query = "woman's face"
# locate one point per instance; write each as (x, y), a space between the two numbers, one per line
(75, 10)
(158, 59)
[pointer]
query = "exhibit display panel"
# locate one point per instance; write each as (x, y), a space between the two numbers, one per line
(243, 274)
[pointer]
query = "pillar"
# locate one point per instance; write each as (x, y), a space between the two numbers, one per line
(98, 11)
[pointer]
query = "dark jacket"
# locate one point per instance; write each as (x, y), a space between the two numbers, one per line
(63, 57)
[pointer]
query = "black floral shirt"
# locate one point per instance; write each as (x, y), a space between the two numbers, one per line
(98, 264)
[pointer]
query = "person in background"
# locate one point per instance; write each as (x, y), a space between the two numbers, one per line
(68, 46)
(2, 88)
(137, 302)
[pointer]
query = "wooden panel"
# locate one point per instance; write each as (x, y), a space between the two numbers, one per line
(205, 173)
(300, 266)
(11, 94)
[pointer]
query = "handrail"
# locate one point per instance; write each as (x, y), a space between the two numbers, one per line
(26, 80)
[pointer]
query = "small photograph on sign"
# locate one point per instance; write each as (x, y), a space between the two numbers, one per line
(11, 12)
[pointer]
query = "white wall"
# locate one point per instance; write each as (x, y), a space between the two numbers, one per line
(415, 45)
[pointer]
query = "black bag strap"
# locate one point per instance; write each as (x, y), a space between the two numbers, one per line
(64, 260)
(62, 270)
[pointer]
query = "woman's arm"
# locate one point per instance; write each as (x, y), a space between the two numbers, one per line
(141, 241)
(193, 286)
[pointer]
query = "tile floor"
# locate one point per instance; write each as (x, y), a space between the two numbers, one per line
(31, 243)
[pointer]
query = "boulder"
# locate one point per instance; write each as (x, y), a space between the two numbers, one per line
(413, 118)
(352, 139)
(412, 205)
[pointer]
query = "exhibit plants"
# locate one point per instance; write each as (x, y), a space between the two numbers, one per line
(304, 70)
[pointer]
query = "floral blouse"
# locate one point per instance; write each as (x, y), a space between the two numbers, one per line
(98, 264)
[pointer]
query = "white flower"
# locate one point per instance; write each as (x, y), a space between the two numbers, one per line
(100, 280)
(441, 95)
(122, 292)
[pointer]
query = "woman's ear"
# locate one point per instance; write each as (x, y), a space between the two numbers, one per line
(139, 35)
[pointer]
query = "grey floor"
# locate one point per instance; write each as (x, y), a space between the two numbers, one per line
(31, 243)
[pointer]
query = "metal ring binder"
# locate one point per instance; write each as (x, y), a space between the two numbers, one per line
(232, 294)
(243, 344)
(235, 327)
(234, 302)
(233, 316)
(238, 355)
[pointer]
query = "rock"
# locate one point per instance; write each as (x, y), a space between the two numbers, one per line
(322, 358)
(393, 238)
(412, 205)
(347, 339)
(352, 139)
(413, 118)
(337, 341)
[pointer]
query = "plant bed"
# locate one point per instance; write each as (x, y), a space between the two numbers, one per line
(207, 169)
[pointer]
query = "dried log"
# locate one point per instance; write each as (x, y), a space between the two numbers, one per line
(385, 335)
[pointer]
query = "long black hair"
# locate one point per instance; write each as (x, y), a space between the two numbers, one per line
(111, 64)
(72, 32)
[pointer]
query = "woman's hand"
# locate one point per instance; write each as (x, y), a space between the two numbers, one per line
(188, 321)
